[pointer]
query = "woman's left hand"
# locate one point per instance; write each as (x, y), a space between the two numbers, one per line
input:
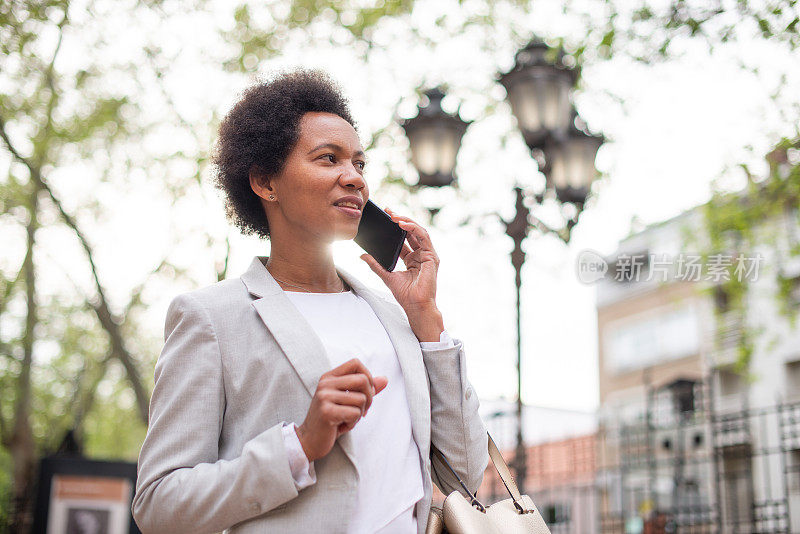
(415, 288)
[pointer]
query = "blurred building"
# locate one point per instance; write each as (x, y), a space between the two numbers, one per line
(561, 466)
(687, 443)
(561, 453)
(561, 481)
(541, 424)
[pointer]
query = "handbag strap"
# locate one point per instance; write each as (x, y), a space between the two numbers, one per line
(502, 469)
(473, 500)
(505, 475)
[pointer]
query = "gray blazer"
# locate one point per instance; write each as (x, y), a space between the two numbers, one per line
(238, 360)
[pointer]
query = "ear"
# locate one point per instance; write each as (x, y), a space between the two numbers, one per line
(260, 182)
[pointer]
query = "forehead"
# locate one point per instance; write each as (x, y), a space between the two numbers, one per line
(319, 127)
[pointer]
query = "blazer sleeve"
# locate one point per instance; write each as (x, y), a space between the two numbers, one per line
(456, 428)
(182, 484)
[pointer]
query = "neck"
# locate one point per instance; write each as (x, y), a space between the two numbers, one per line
(310, 267)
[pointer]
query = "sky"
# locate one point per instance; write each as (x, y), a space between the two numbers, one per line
(672, 129)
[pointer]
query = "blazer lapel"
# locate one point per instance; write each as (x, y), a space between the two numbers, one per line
(296, 338)
(287, 325)
(409, 354)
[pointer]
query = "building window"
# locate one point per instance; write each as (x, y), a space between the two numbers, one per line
(793, 471)
(722, 301)
(556, 514)
(667, 333)
(731, 383)
(793, 379)
(737, 492)
(683, 396)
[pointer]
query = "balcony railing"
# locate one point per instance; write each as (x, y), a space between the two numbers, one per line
(726, 339)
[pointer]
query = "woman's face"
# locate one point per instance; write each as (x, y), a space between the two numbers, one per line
(325, 165)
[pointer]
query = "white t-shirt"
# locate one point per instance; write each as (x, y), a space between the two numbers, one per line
(387, 457)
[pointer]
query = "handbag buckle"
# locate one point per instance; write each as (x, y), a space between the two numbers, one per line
(474, 502)
(520, 509)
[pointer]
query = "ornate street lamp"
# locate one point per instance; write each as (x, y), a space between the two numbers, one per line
(539, 88)
(435, 137)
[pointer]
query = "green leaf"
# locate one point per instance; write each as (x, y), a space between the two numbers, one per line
(763, 25)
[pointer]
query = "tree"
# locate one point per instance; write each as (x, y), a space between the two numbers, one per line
(59, 343)
(763, 214)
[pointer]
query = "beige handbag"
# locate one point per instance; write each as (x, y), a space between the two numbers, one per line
(466, 515)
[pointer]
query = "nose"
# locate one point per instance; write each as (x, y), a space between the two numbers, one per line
(351, 177)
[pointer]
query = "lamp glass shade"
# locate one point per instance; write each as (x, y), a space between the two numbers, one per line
(540, 100)
(434, 149)
(571, 162)
(579, 159)
(559, 167)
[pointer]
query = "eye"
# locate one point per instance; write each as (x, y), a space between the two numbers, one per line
(360, 164)
(329, 157)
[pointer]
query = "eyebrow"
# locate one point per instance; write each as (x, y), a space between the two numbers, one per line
(334, 147)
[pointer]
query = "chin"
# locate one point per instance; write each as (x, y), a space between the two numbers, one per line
(345, 235)
(341, 232)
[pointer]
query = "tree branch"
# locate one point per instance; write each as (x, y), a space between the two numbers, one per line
(5, 440)
(9, 286)
(12, 149)
(51, 85)
(83, 397)
(136, 294)
(109, 322)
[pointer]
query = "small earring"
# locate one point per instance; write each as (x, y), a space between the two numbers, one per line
(272, 197)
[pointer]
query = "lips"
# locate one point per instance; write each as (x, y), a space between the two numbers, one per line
(350, 201)
(352, 212)
(350, 205)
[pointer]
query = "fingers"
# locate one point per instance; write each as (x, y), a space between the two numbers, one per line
(417, 236)
(352, 399)
(356, 399)
(380, 383)
(353, 377)
(351, 367)
(420, 236)
(356, 383)
(405, 251)
(376, 267)
(344, 418)
(419, 257)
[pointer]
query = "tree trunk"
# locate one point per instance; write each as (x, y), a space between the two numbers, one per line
(22, 447)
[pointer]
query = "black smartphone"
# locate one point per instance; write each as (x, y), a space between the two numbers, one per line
(380, 236)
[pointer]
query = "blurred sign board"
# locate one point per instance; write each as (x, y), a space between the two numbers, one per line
(81, 496)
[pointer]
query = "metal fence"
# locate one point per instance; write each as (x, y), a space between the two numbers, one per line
(692, 463)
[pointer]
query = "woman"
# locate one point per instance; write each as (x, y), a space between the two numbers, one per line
(294, 399)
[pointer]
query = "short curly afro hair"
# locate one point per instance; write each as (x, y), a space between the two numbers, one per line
(261, 129)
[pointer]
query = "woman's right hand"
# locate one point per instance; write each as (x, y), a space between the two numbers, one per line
(343, 396)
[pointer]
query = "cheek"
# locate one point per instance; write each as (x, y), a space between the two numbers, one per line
(309, 199)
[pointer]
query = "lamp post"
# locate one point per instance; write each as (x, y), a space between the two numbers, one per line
(538, 89)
